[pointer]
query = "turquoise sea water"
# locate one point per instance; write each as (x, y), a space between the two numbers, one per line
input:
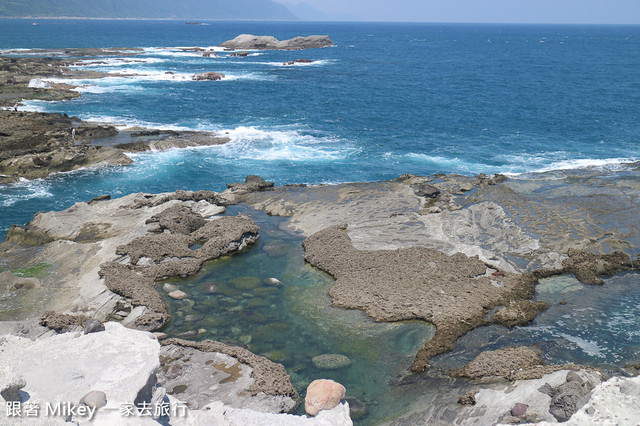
(388, 99)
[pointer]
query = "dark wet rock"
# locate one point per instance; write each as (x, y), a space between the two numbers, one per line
(239, 54)
(99, 198)
(178, 219)
(357, 409)
(251, 183)
(565, 402)
(452, 292)
(248, 41)
(93, 326)
(214, 76)
(150, 200)
(589, 267)
(519, 410)
(468, 398)
(35, 145)
(95, 399)
(425, 190)
(298, 61)
(62, 322)
(11, 382)
(518, 312)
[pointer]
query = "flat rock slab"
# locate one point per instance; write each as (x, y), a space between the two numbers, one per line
(452, 292)
(199, 377)
(63, 368)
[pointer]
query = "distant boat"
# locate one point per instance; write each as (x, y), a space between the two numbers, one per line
(34, 23)
(194, 23)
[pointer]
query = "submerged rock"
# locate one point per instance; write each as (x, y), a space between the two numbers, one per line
(331, 361)
(178, 295)
(322, 394)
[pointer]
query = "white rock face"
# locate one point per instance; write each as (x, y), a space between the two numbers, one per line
(63, 368)
(614, 402)
(37, 83)
(491, 404)
(218, 414)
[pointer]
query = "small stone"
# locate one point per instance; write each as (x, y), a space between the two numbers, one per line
(178, 295)
(94, 399)
(93, 326)
(211, 288)
(202, 330)
(331, 361)
(160, 336)
(519, 410)
(546, 389)
(273, 281)
(357, 410)
(572, 376)
(189, 333)
(169, 288)
(468, 398)
(323, 394)
(10, 384)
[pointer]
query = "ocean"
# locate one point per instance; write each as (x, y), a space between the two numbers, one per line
(388, 99)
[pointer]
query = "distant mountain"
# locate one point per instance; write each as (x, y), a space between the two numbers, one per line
(307, 12)
(153, 9)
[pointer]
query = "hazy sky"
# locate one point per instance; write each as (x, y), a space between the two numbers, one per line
(525, 11)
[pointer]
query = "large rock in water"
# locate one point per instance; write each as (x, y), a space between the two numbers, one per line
(63, 368)
(215, 76)
(323, 395)
(249, 41)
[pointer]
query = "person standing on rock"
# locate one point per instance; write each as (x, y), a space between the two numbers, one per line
(73, 134)
(15, 107)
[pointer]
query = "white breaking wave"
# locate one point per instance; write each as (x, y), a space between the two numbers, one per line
(447, 163)
(252, 143)
(114, 62)
(541, 164)
(318, 63)
(23, 190)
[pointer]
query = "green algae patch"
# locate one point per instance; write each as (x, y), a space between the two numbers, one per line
(39, 270)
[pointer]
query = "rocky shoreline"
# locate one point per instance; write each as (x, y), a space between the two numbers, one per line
(35, 145)
(454, 251)
(108, 253)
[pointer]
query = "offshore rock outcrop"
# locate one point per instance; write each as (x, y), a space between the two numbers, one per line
(34, 145)
(249, 41)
